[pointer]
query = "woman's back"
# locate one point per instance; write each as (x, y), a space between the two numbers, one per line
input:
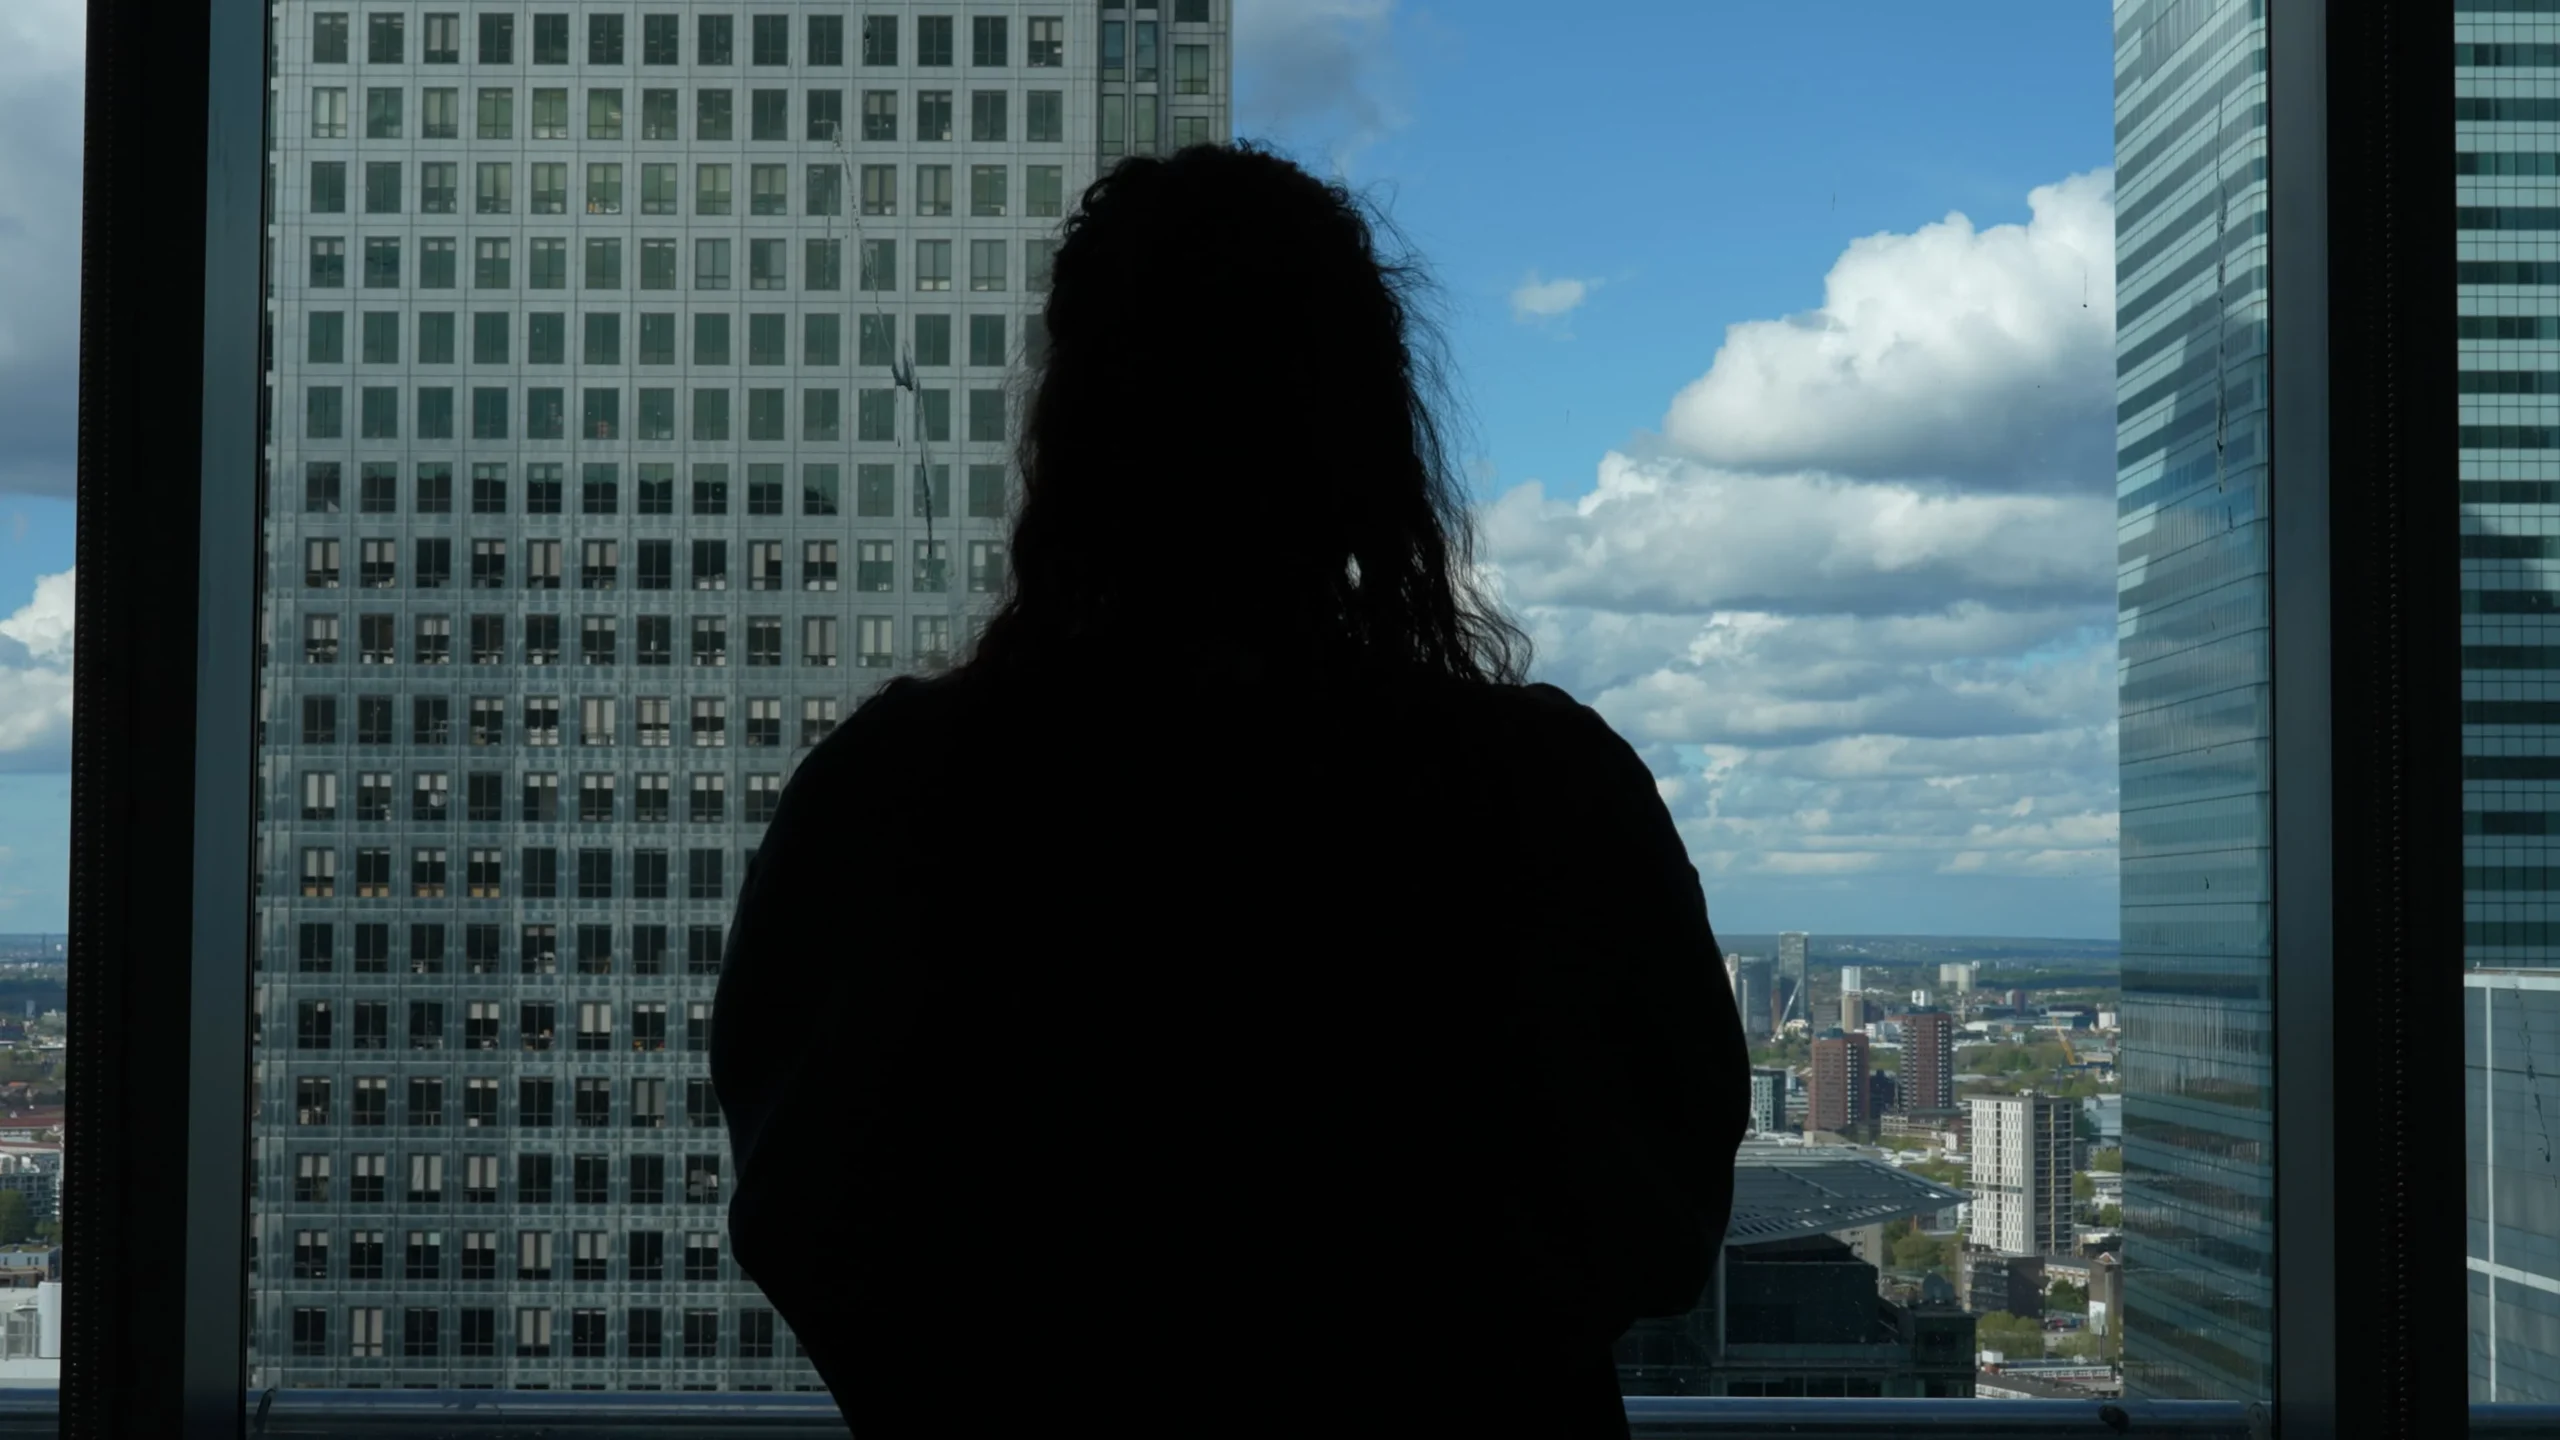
(1215, 1019)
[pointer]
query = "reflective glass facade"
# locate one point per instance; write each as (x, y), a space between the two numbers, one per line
(2507, 128)
(2191, 368)
(639, 388)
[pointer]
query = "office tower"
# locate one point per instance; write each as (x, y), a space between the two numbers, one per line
(1752, 993)
(640, 381)
(1929, 1060)
(2506, 99)
(1852, 980)
(2191, 369)
(1838, 1095)
(1793, 946)
(1959, 975)
(1768, 1100)
(2022, 1173)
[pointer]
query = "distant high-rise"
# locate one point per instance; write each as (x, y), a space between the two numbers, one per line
(1768, 1099)
(1852, 980)
(1838, 1093)
(1793, 946)
(1929, 1060)
(1752, 993)
(2022, 1173)
(640, 397)
(1959, 975)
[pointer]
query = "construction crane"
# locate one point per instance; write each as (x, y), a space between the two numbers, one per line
(2063, 1033)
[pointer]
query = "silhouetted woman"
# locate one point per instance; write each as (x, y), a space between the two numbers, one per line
(1232, 1002)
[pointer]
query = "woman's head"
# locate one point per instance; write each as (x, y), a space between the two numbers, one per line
(1230, 441)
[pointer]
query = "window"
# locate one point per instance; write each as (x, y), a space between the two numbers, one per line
(382, 187)
(987, 115)
(1047, 48)
(551, 114)
(986, 192)
(658, 115)
(1038, 257)
(494, 195)
(604, 192)
(604, 39)
(769, 189)
(770, 38)
(1115, 123)
(879, 115)
(987, 47)
(550, 39)
(879, 39)
(438, 187)
(712, 40)
(329, 38)
(497, 113)
(933, 115)
(712, 114)
(818, 641)
(1190, 69)
(658, 272)
(826, 41)
(825, 186)
(329, 112)
(711, 262)
(1044, 116)
(711, 192)
(385, 38)
(769, 115)
(659, 38)
(1191, 130)
(933, 40)
(933, 263)
(382, 112)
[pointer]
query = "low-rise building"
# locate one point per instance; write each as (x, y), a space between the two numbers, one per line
(1793, 1309)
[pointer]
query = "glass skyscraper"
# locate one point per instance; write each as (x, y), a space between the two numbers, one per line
(2507, 87)
(639, 381)
(2191, 386)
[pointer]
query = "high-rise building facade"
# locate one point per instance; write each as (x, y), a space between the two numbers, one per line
(1753, 994)
(1929, 1060)
(2193, 733)
(2508, 258)
(641, 379)
(2022, 1173)
(1768, 1099)
(1837, 1094)
(1792, 1001)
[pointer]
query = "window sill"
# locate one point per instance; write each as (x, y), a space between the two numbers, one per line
(278, 1414)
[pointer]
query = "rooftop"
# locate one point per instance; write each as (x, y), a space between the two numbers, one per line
(1781, 1192)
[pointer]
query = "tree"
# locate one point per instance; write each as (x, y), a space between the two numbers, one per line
(2082, 1187)
(2015, 1336)
(2107, 1216)
(2066, 1296)
(1919, 1251)
(2110, 1160)
(17, 1223)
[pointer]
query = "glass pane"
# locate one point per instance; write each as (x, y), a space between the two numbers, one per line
(2506, 97)
(1801, 481)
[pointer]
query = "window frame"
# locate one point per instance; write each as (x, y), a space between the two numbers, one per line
(169, 486)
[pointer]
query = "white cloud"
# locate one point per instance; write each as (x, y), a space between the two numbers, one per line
(1537, 299)
(35, 678)
(1859, 617)
(1981, 356)
(1316, 71)
(41, 45)
(1670, 535)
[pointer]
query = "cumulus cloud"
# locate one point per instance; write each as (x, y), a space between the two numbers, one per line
(1537, 299)
(35, 678)
(1858, 615)
(1316, 71)
(1666, 534)
(1984, 357)
(41, 45)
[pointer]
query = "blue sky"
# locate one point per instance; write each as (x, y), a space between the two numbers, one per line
(1844, 585)
(1901, 720)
